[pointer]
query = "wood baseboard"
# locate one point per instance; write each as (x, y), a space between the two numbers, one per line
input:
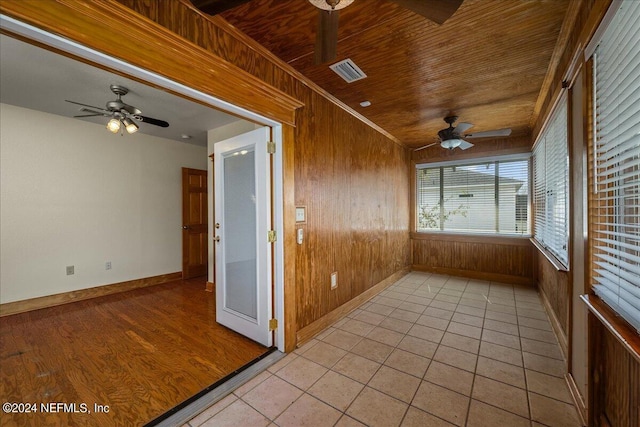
(305, 334)
(555, 324)
(210, 287)
(581, 407)
(479, 275)
(83, 294)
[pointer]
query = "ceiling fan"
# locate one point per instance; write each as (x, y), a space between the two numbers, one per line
(437, 11)
(451, 137)
(119, 112)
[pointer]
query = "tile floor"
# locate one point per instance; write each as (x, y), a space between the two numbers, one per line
(430, 350)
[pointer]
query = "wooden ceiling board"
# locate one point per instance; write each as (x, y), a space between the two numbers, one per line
(485, 64)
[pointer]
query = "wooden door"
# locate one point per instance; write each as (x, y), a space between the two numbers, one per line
(194, 223)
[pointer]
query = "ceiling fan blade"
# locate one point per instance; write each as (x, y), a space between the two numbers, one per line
(151, 121)
(437, 11)
(214, 7)
(90, 115)
(426, 146)
(326, 36)
(462, 127)
(465, 144)
(490, 133)
(85, 105)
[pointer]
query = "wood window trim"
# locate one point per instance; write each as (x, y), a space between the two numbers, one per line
(473, 238)
(557, 264)
(618, 327)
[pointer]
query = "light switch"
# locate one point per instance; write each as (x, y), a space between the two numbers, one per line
(300, 214)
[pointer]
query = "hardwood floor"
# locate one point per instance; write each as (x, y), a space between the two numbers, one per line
(140, 353)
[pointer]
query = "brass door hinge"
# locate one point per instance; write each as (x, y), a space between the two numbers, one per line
(271, 147)
(271, 236)
(273, 324)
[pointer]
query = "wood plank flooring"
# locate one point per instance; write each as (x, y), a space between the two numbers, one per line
(140, 353)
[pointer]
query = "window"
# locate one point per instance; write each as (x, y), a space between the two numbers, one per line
(615, 235)
(550, 182)
(489, 196)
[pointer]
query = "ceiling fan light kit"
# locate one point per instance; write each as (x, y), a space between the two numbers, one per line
(451, 137)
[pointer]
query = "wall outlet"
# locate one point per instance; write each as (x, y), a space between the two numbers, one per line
(334, 280)
(69, 270)
(107, 265)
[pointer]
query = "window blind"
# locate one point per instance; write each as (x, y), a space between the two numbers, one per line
(616, 230)
(551, 177)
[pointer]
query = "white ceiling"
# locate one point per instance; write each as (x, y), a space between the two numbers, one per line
(34, 78)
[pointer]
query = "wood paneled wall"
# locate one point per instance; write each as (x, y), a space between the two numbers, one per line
(351, 176)
(556, 294)
(500, 259)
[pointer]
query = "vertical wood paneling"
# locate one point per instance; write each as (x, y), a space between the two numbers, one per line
(555, 286)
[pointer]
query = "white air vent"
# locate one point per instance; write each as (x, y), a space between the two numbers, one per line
(348, 70)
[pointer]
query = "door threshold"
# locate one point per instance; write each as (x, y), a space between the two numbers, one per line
(191, 407)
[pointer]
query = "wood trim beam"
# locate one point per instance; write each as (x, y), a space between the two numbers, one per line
(16, 307)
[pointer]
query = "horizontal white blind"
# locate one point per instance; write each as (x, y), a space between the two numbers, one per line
(616, 233)
(551, 177)
(487, 197)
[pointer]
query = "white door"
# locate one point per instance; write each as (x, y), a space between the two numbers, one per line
(243, 254)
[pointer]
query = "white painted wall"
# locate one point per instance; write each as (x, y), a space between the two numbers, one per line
(71, 193)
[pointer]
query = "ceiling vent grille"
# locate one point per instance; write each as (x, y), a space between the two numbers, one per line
(348, 70)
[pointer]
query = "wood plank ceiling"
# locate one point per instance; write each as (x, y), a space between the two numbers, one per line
(486, 64)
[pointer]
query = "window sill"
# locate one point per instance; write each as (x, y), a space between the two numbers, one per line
(624, 333)
(549, 256)
(512, 240)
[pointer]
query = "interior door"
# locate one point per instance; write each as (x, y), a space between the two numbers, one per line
(243, 219)
(194, 223)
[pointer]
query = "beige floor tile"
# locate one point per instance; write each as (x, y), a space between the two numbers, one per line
(472, 311)
(507, 340)
(538, 334)
(544, 364)
(322, 335)
(501, 395)
(374, 408)
(385, 336)
(502, 317)
(438, 312)
(342, 339)
(407, 362)
(418, 346)
(408, 316)
(442, 305)
(369, 317)
(433, 322)
(272, 396)
(552, 412)
(533, 314)
(418, 299)
(373, 350)
(442, 402)
(347, 421)
(500, 371)
(308, 411)
(483, 415)
(460, 342)
(397, 325)
(426, 333)
(468, 319)
(212, 410)
(535, 323)
(357, 327)
(413, 307)
(237, 414)
(395, 383)
(354, 313)
(447, 298)
(336, 390)
(541, 348)
(473, 302)
(457, 358)
(465, 330)
(302, 373)
(526, 305)
(384, 310)
(451, 291)
(548, 385)
(501, 353)
(356, 367)
(504, 327)
(388, 301)
(305, 347)
(400, 296)
(418, 418)
(450, 377)
(253, 382)
(325, 354)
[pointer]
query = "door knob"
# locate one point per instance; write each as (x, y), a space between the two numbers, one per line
(186, 227)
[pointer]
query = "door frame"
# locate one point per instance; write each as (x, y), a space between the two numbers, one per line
(109, 63)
